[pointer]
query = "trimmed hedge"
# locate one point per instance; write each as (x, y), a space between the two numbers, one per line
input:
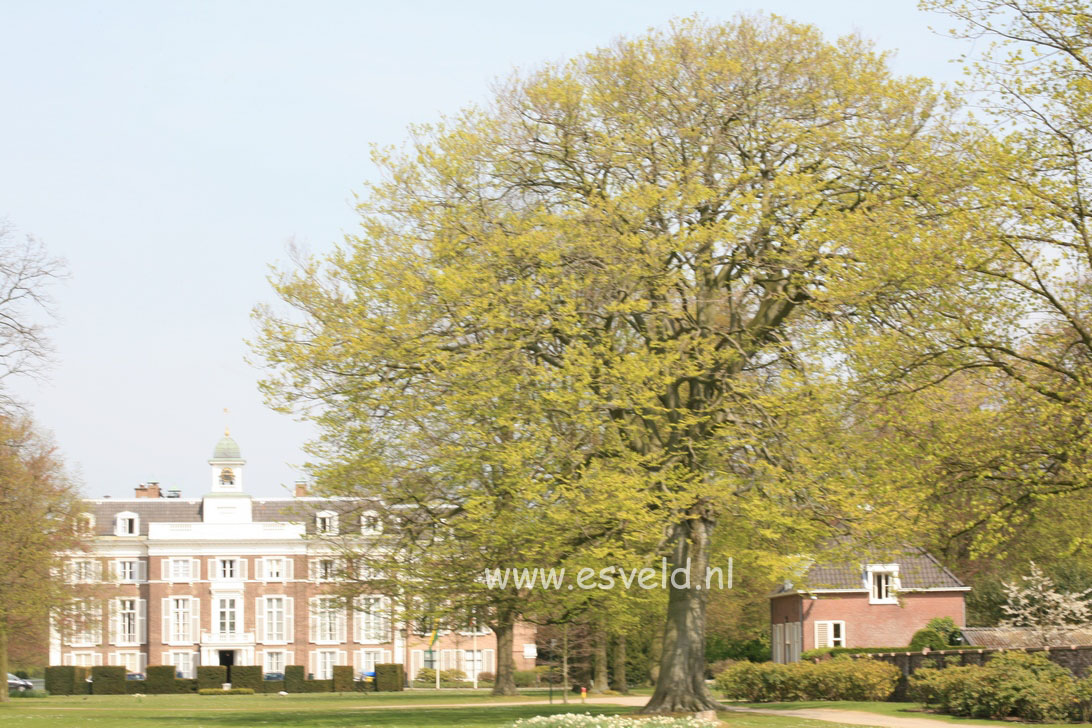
(343, 679)
(134, 687)
(60, 679)
(273, 686)
(247, 676)
(211, 677)
(842, 678)
(318, 686)
(160, 679)
(1020, 685)
(221, 691)
(185, 685)
(108, 680)
(294, 678)
(389, 677)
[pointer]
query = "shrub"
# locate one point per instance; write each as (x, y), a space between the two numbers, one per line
(928, 638)
(390, 678)
(211, 677)
(839, 679)
(452, 675)
(247, 676)
(60, 679)
(108, 680)
(1010, 684)
(486, 677)
(160, 679)
(524, 678)
(134, 687)
(293, 679)
(343, 679)
(29, 694)
(426, 675)
(273, 686)
(318, 686)
(221, 691)
(185, 685)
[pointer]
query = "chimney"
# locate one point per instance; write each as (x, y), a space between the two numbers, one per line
(147, 490)
(301, 488)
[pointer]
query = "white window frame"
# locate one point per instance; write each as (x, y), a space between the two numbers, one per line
(325, 661)
(371, 617)
(330, 527)
(228, 569)
(266, 634)
(89, 634)
(263, 565)
(170, 568)
(183, 623)
(268, 661)
(891, 571)
(830, 640)
(231, 617)
(84, 571)
(183, 662)
(131, 660)
(327, 621)
(317, 569)
(126, 517)
(370, 523)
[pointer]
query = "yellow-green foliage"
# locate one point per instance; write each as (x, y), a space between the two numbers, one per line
(842, 678)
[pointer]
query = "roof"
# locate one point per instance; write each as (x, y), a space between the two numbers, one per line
(917, 570)
(1016, 637)
(226, 449)
(177, 510)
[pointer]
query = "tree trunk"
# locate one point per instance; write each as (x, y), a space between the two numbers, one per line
(619, 658)
(565, 664)
(600, 682)
(680, 687)
(3, 662)
(505, 683)
(655, 654)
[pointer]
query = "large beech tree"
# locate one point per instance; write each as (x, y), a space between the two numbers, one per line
(593, 310)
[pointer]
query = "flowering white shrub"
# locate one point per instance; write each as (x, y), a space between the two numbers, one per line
(581, 720)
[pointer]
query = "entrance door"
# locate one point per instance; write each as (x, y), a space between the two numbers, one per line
(227, 659)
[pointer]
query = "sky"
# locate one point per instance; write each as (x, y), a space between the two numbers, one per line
(170, 152)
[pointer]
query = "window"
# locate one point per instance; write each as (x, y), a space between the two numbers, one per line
(87, 624)
(127, 621)
(372, 624)
(326, 522)
(227, 613)
(181, 570)
(128, 571)
(882, 582)
(370, 523)
(830, 634)
(273, 569)
(274, 620)
(228, 569)
(85, 524)
(473, 663)
(274, 661)
(324, 569)
(324, 670)
(183, 663)
(84, 570)
(180, 613)
(368, 659)
(327, 620)
(127, 523)
(130, 661)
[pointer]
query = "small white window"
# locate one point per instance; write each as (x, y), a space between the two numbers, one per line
(274, 661)
(882, 582)
(228, 569)
(127, 523)
(274, 569)
(180, 569)
(326, 522)
(830, 634)
(370, 523)
(324, 569)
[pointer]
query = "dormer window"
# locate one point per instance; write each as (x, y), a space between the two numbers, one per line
(85, 524)
(882, 582)
(370, 523)
(127, 524)
(326, 522)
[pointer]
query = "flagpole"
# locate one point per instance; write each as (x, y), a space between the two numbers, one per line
(474, 648)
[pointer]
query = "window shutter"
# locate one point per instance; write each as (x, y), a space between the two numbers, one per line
(165, 630)
(312, 574)
(67, 660)
(113, 618)
(242, 569)
(141, 570)
(96, 574)
(113, 659)
(195, 570)
(259, 569)
(487, 661)
(142, 622)
(195, 605)
(342, 657)
(822, 634)
(96, 659)
(289, 614)
(312, 667)
(286, 573)
(212, 570)
(313, 603)
(259, 618)
(341, 626)
(288, 656)
(386, 656)
(417, 659)
(358, 620)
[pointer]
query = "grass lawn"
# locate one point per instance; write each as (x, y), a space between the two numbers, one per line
(902, 710)
(405, 710)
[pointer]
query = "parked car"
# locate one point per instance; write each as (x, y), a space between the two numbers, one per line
(135, 676)
(274, 676)
(18, 684)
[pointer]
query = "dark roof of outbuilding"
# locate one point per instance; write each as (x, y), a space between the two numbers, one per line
(917, 570)
(177, 510)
